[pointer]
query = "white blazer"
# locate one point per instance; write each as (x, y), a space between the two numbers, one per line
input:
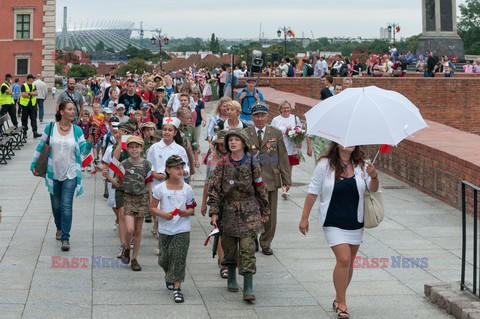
(323, 182)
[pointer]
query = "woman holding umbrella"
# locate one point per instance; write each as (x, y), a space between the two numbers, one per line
(340, 179)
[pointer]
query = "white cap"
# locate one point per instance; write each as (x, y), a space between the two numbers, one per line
(171, 120)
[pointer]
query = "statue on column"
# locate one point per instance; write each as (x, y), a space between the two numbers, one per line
(430, 9)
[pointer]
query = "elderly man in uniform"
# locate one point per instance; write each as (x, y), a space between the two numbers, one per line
(267, 142)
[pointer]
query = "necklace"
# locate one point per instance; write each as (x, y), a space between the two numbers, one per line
(65, 129)
(345, 167)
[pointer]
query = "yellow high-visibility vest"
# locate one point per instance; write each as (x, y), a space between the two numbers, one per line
(5, 98)
(24, 100)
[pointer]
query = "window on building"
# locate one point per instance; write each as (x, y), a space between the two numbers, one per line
(22, 66)
(23, 26)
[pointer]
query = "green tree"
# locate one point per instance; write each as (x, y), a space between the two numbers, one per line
(135, 65)
(60, 68)
(409, 44)
(197, 45)
(111, 50)
(82, 71)
(211, 44)
(217, 46)
(469, 26)
(320, 45)
(100, 47)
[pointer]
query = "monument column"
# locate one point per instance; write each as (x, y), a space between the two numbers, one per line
(439, 21)
(438, 17)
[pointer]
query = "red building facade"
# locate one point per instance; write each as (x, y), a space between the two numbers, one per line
(27, 39)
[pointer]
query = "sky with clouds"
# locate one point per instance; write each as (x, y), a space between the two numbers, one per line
(242, 19)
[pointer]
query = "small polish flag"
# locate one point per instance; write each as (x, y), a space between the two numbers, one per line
(149, 178)
(175, 212)
(117, 168)
(258, 182)
(386, 149)
(124, 141)
(87, 160)
(214, 232)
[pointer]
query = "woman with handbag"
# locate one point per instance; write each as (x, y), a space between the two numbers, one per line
(340, 180)
(58, 158)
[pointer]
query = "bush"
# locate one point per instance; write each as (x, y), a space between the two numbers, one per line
(82, 71)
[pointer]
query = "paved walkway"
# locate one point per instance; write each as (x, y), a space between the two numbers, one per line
(295, 282)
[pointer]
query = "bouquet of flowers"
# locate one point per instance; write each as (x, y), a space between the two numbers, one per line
(296, 135)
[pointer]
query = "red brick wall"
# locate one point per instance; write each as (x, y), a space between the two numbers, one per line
(454, 101)
(9, 47)
(432, 171)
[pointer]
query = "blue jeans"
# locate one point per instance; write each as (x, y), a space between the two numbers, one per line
(62, 203)
(40, 109)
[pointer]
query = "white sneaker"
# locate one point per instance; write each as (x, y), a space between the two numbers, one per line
(115, 227)
(285, 195)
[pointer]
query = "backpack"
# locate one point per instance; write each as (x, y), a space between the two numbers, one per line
(290, 73)
(309, 70)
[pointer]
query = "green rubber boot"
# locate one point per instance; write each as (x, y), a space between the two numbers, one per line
(248, 287)
(232, 279)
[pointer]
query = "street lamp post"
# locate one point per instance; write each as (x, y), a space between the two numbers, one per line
(285, 33)
(154, 41)
(395, 28)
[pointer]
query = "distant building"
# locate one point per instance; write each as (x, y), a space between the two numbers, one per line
(27, 39)
(384, 34)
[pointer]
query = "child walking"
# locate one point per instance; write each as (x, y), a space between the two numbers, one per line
(137, 192)
(173, 204)
(236, 190)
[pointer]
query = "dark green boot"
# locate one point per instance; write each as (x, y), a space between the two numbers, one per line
(232, 279)
(248, 287)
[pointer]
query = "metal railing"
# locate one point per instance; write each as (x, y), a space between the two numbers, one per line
(474, 289)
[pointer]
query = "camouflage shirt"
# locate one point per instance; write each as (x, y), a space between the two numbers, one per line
(137, 176)
(188, 134)
(147, 143)
(238, 187)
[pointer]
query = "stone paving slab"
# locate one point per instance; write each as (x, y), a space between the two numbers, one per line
(295, 282)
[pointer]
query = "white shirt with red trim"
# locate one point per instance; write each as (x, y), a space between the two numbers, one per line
(169, 200)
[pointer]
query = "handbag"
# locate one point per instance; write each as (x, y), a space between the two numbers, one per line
(42, 161)
(373, 209)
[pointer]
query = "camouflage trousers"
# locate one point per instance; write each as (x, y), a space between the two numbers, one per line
(173, 255)
(240, 251)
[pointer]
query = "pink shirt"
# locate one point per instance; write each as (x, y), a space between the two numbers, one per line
(223, 77)
(468, 68)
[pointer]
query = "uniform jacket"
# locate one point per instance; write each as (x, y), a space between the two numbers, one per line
(239, 190)
(272, 155)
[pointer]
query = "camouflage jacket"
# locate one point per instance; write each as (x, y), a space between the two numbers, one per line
(137, 176)
(238, 187)
(188, 134)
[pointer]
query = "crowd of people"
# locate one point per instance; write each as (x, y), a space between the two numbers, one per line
(143, 136)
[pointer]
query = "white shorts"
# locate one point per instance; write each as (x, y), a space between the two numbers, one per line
(336, 236)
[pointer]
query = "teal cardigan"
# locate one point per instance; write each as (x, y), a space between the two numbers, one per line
(83, 148)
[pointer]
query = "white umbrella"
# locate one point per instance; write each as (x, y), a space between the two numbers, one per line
(365, 116)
